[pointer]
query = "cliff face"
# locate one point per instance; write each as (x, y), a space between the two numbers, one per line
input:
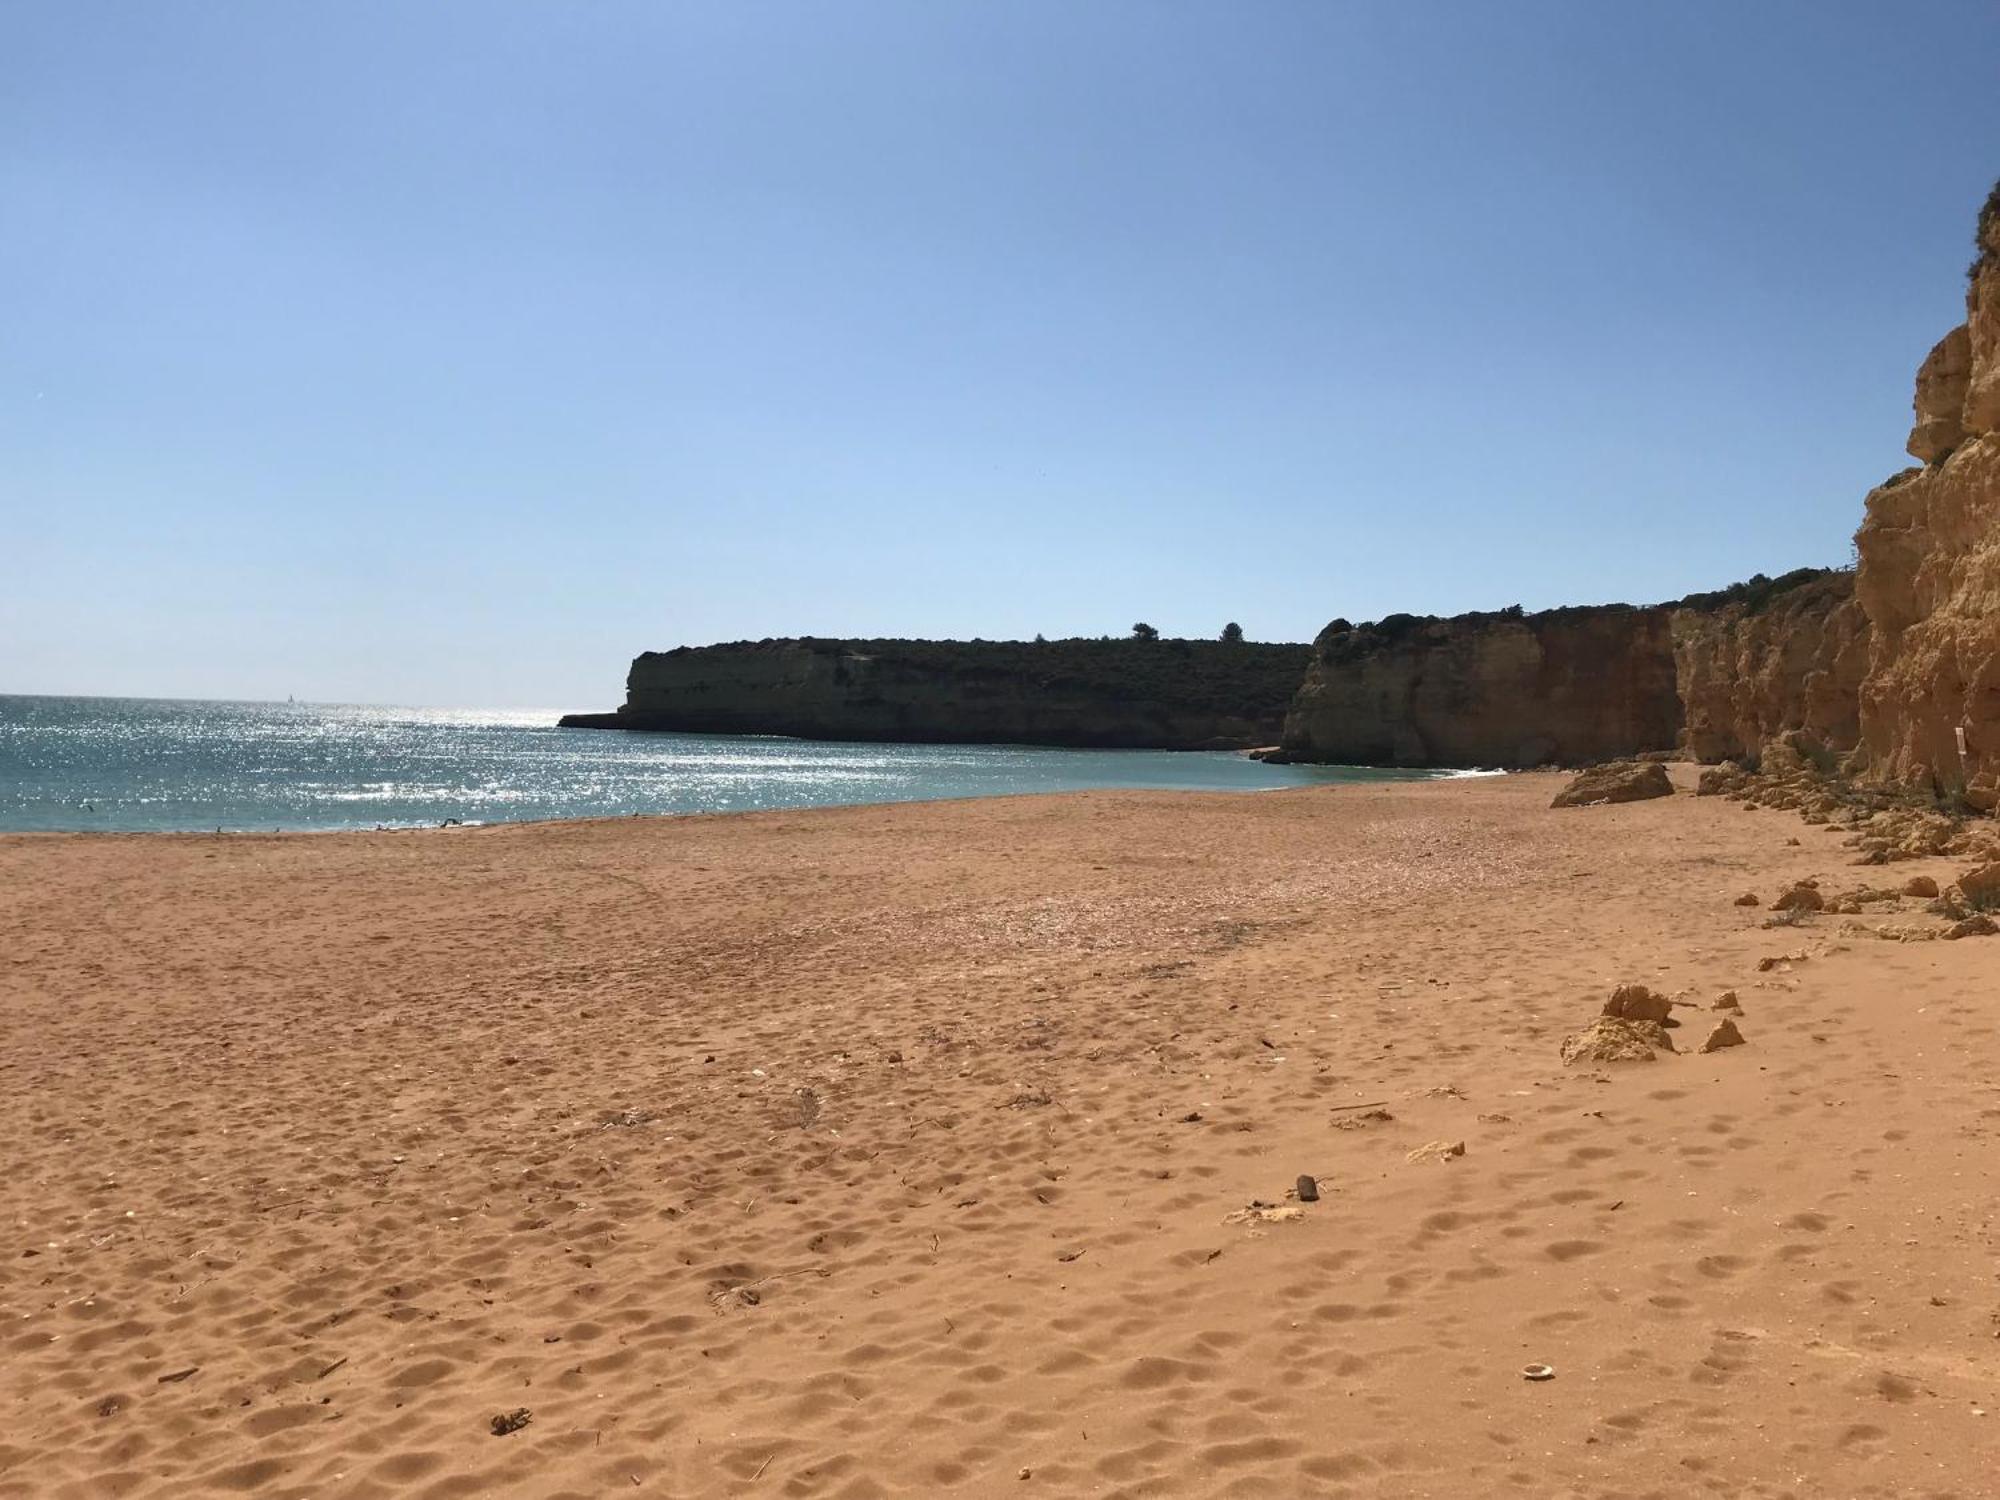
(1716, 675)
(1930, 567)
(1747, 672)
(1566, 686)
(1133, 694)
(1895, 670)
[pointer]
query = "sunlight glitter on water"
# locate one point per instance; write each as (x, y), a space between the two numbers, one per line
(155, 765)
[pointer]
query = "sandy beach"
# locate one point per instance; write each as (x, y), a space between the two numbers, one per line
(906, 1151)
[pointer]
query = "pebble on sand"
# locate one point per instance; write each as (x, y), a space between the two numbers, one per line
(1778, 960)
(1438, 1151)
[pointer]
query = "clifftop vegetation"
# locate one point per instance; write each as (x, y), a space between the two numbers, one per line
(1756, 594)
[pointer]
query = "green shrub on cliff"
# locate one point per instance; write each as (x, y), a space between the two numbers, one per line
(1755, 594)
(1986, 233)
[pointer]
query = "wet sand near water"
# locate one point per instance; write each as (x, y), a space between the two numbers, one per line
(912, 1151)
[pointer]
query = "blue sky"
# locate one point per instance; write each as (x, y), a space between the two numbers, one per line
(452, 353)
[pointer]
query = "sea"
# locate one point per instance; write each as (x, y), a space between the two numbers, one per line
(161, 765)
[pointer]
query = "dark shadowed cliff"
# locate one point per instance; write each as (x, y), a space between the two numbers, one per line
(1162, 694)
(1507, 689)
(1715, 673)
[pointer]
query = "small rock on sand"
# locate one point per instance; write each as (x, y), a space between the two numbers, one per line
(1778, 961)
(1308, 1188)
(1727, 1001)
(1363, 1120)
(1264, 1213)
(1978, 925)
(1724, 1035)
(1620, 781)
(1748, 898)
(1634, 1002)
(1438, 1151)
(1611, 1039)
(1920, 885)
(1804, 896)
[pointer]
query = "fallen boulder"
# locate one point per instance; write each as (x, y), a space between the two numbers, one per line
(1981, 887)
(1804, 896)
(1724, 1035)
(1612, 1039)
(1634, 1002)
(1720, 781)
(1618, 781)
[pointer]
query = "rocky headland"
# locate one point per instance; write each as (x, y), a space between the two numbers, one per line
(1132, 694)
(1714, 675)
(1495, 689)
(1887, 673)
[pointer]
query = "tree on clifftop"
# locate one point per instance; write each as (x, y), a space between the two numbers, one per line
(1232, 634)
(1144, 632)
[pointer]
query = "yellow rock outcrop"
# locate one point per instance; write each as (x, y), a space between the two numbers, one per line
(1929, 576)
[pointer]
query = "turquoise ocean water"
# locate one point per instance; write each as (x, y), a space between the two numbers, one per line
(131, 764)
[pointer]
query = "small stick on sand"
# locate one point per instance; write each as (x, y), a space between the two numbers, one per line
(1341, 1109)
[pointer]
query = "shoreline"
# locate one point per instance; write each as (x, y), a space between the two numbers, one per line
(907, 1146)
(1393, 776)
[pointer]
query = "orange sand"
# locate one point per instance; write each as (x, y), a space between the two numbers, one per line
(890, 1151)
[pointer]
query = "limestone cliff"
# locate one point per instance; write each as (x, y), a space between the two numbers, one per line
(1162, 694)
(1748, 670)
(1929, 578)
(1508, 689)
(1716, 675)
(1894, 671)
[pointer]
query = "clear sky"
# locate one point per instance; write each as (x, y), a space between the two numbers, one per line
(452, 353)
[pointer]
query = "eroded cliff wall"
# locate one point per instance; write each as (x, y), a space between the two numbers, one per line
(1165, 694)
(1715, 675)
(1565, 686)
(1929, 578)
(1749, 671)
